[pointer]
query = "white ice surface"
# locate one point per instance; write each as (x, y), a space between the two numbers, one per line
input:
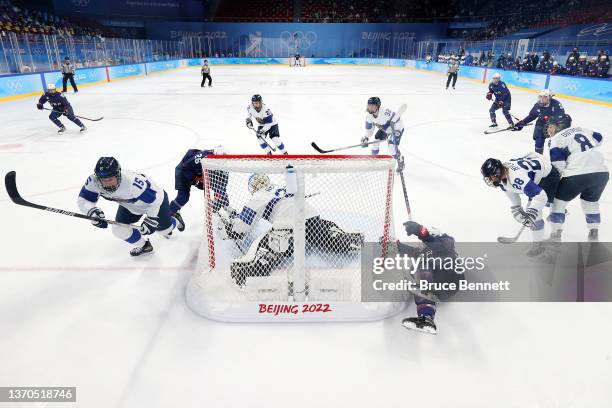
(76, 310)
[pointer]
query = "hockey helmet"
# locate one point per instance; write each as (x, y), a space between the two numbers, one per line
(491, 171)
(544, 97)
(557, 123)
(51, 88)
(496, 77)
(257, 181)
(373, 101)
(108, 173)
(257, 102)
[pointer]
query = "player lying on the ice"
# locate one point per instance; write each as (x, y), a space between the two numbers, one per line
(276, 204)
(435, 244)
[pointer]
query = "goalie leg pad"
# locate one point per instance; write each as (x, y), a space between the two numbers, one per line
(280, 241)
(327, 235)
(258, 261)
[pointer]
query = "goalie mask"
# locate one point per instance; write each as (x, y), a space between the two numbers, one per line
(257, 182)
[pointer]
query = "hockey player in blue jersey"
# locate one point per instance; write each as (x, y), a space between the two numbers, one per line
(542, 111)
(503, 99)
(60, 106)
(435, 244)
(189, 173)
(574, 152)
(531, 175)
(136, 194)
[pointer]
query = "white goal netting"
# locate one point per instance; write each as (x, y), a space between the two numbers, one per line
(286, 233)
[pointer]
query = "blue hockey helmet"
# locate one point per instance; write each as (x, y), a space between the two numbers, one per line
(107, 168)
(492, 171)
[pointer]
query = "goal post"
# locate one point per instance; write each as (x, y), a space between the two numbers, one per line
(296, 234)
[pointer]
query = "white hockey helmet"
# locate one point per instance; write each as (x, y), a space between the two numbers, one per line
(544, 97)
(257, 181)
(51, 88)
(496, 77)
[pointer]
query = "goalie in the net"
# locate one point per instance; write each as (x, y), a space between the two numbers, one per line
(277, 205)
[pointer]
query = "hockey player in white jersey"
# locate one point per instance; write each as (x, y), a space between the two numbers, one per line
(388, 125)
(266, 125)
(531, 175)
(573, 151)
(277, 205)
(136, 194)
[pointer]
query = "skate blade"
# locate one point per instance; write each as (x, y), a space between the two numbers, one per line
(428, 330)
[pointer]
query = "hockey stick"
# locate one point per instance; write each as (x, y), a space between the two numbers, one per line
(490, 132)
(403, 181)
(323, 151)
(511, 240)
(11, 189)
(263, 138)
(80, 117)
(399, 112)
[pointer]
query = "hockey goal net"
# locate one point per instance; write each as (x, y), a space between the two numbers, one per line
(297, 226)
(297, 61)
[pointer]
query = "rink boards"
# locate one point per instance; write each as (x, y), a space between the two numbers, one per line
(598, 91)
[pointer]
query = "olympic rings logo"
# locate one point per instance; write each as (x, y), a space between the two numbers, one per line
(299, 39)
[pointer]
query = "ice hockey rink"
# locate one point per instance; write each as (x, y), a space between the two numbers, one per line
(77, 310)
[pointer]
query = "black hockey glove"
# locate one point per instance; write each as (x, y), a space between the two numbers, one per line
(98, 213)
(249, 123)
(39, 106)
(518, 126)
(149, 226)
(414, 228)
